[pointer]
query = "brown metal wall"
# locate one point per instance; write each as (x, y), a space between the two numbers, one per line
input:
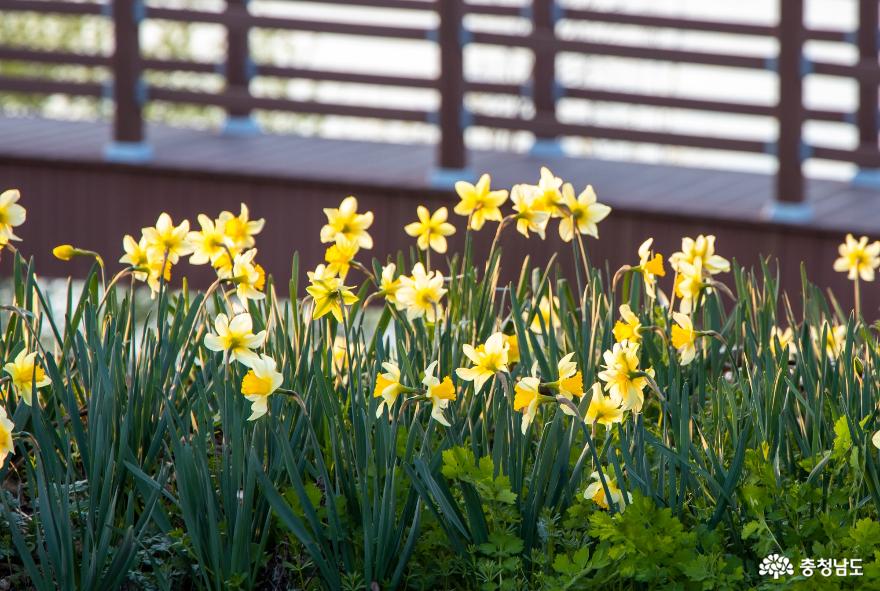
(93, 206)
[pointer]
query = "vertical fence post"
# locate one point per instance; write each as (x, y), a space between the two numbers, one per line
(451, 156)
(866, 117)
(791, 66)
(543, 83)
(238, 69)
(129, 92)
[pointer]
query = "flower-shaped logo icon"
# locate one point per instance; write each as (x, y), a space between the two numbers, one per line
(776, 565)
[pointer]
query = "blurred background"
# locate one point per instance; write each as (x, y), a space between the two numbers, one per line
(753, 120)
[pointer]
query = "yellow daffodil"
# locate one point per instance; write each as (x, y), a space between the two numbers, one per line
(835, 338)
(249, 277)
(239, 230)
(136, 256)
(858, 258)
(530, 215)
(439, 392)
(339, 257)
(550, 193)
(689, 283)
(389, 284)
(261, 380)
(488, 359)
(875, 439)
(584, 213)
(785, 338)
(526, 400)
(236, 338)
(628, 327)
(603, 410)
(570, 383)
(512, 348)
(547, 317)
(596, 492)
(684, 338)
(703, 249)
(64, 252)
(27, 375)
(650, 267)
(622, 376)
(329, 293)
(12, 215)
(167, 241)
(421, 293)
(157, 272)
(207, 243)
(6, 445)
(388, 387)
(345, 223)
(340, 356)
(431, 230)
(479, 201)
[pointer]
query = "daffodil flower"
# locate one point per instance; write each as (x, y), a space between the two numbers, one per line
(167, 241)
(207, 243)
(421, 293)
(530, 213)
(261, 381)
(570, 384)
(431, 230)
(622, 376)
(546, 317)
(650, 267)
(249, 277)
(388, 387)
(512, 348)
(389, 284)
(858, 258)
(236, 338)
(835, 338)
(479, 201)
(603, 409)
(439, 393)
(329, 293)
(628, 328)
(703, 249)
(7, 446)
(12, 215)
(345, 223)
(689, 283)
(339, 257)
(136, 256)
(785, 338)
(550, 193)
(596, 492)
(27, 375)
(488, 359)
(526, 399)
(684, 338)
(239, 230)
(584, 213)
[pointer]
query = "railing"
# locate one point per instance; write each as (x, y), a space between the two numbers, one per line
(130, 93)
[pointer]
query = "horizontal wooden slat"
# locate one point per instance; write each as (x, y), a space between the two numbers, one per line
(44, 86)
(864, 71)
(829, 35)
(175, 65)
(497, 10)
(52, 57)
(628, 135)
(243, 101)
(624, 18)
(349, 77)
(52, 6)
(284, 23)
(861, 157)
(395, 4)
(671, 102)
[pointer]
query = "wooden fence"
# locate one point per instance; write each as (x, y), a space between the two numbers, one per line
(130, 93)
